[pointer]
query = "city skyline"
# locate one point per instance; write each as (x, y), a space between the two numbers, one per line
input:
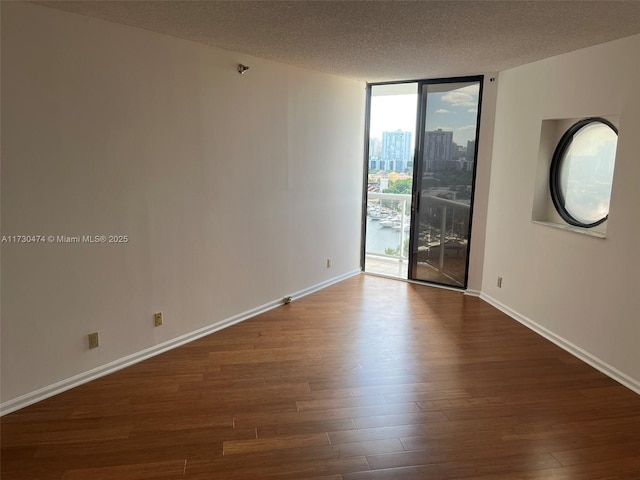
(453, 110)
(394, 152)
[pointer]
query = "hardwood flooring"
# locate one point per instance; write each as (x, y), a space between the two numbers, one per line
(368, 379)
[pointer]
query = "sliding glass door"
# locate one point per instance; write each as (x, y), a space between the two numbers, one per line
(419, 197)
(444, 180)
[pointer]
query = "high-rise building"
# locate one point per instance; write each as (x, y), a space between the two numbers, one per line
(438, 150)
(471, 150)
(375, 147)
(471, 155)
(396, 150)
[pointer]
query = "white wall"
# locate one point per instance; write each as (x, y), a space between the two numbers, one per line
(233, 190)
(581, 291)
(482, 182)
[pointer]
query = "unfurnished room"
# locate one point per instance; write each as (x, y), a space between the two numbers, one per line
(320, 240)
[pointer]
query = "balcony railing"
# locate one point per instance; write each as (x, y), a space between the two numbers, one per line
(391, 212)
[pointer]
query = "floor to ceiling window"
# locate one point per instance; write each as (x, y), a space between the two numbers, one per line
(421, 166)
(390, 162)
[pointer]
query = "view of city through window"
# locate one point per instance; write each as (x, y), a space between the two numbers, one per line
(446, 155)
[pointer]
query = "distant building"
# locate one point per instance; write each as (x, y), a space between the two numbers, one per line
(375, 147)
(470, 156)
(471, 150)
(438, 147)
(396, 151)
(457, 151)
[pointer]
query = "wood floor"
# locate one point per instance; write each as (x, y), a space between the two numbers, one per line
(369, 379)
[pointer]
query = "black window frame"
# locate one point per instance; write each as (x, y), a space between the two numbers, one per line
(556, 164)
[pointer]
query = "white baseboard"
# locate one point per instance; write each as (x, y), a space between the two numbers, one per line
(473, 293)
(565, 344)
(69, 383)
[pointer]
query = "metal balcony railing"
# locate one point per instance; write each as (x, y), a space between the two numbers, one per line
(392, 210)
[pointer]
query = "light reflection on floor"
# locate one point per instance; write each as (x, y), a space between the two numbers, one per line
(398, 268)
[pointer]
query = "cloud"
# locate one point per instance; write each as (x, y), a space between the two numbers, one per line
(472, 89)
(459, 99)
(467, 127)
(463, 97)
(442, 110)
(473, 110)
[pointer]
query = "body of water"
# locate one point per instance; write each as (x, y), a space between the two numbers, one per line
(379, 238)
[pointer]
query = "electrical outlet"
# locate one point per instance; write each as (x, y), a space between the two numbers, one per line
(328, 263)
(157, 319)
(94, 341)
(499, 282)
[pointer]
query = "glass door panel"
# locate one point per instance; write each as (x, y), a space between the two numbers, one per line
(392, 126)
(444, 181)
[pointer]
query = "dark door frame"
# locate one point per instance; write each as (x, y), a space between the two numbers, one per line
(418, 167)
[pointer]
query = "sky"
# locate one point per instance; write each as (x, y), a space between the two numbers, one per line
(455, 110)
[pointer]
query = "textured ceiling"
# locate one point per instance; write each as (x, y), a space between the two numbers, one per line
(381, 40)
